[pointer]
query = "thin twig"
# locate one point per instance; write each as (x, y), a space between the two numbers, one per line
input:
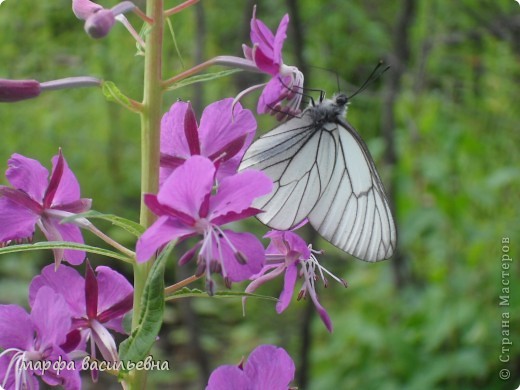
(181, 284)
(180, 7)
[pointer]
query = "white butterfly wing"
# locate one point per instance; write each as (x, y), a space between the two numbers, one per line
(353, 213)
(300, 162)
(328, 177)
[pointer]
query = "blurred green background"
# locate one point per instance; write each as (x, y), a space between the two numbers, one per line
(442, 125)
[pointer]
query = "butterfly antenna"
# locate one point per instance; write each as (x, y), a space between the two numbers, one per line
(302, 91)
(330, 71)
(372, 77)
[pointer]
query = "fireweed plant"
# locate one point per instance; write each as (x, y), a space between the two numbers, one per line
(190, 187)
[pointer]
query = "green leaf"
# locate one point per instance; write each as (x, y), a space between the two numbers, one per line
(130, 226)
(196, 293)
(64, 245)
(202, 78)
(113, 94)
(136, 347)
(179, 55)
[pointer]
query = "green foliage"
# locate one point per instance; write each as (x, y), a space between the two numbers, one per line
(202, 78)
(62, 245)
(197, 293)
(455, 181)
(131, 227)
(114, 94)
(138, 344)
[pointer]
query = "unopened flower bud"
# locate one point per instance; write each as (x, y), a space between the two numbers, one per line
(99, 20)
(99, 24)
(85, 8)
(16, 90)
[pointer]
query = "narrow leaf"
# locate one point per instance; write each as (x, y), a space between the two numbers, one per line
(196, 293)
(130, 226)
(202, 78)
(138, 344)
(179, 55)
(64, 245)
(113, 94)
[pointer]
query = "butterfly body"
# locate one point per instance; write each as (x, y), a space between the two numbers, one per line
(323, 171)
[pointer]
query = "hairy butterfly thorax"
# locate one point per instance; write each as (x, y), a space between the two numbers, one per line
(328, 110)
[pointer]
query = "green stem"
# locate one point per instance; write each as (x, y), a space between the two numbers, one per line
(113, 243)
(150, 137)
(233, 62)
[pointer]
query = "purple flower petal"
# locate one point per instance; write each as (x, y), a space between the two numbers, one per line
(270, 367)
(188, 185)
(67, 190)
(84, 8)
(236, 193)
(104, 341)
(173, 137)
(219, 125)
(51, 317)
(113, 288)
(265, 62)
(68, 379)
(232, 216)
(77, 207)
(283, 242)
(174, 146)
(248, 53)
(16, 221)
(250, 247)
(91, 292)
(160, 233)
(160, 210)
(191, 131)
(230, 167)
(261, 35)
(321, 310)
(16, 328)
(272, 94)
(70, 233)
(269, 272)
(113, 317)
(5, 360)
(28, 175)
(65, 281)
(279, 39)
(228, 378)
(288, 288)
(168, 164)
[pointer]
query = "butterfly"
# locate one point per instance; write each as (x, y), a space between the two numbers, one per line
(322, 170)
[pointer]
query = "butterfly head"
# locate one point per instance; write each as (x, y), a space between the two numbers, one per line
(341, 100)
(328, 110)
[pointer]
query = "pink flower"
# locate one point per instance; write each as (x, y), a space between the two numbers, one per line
(268, 367)
(187, 206)
(287, 81)
(285, 254)
(37, 200)
(224, 134)
(97, 303)
(36, 337)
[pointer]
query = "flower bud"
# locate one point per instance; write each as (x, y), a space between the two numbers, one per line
(85, 8)
(16, 90)
(99, 24)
